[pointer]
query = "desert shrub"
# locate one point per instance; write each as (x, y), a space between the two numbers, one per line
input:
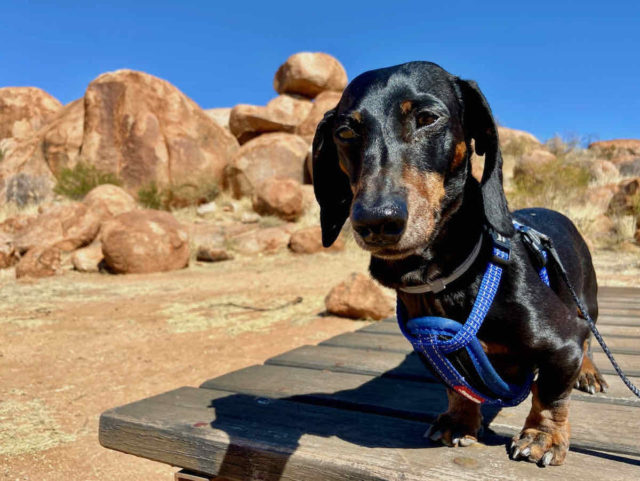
(76, 182)
(550, 185)
(153, 196)
(516, 147)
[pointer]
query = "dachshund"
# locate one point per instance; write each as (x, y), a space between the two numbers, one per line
(394, 157)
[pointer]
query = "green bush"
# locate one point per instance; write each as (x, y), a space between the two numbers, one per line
(174, 197)
(550, 184)
(76, 182)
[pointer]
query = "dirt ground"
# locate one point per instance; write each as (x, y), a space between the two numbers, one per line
(76, 345)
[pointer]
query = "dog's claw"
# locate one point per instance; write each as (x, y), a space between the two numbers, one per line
(466, 441)
(436, 435)
(546, 459)
(526, 452)
(515, 453)
(592, 389)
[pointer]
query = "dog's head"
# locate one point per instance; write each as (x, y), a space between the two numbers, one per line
(394, 156)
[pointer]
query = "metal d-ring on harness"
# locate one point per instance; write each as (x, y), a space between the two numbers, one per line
(453, 351)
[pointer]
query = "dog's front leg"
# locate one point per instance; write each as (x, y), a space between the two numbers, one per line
(458, 426)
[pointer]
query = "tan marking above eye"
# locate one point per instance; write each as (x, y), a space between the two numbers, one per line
(406, 106)
(357, 116)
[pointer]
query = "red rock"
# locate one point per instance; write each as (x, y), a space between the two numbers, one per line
(145, 130)
(282, 114)
(308, 74)
(144, 241)
(41, 261)
(24, 110)
(309, 241)
(88, 258)
(110, 199)
(324, 102)
(626, 200)
(8, 254)
(220, 116)
(636, 236)
(212, 254)
(619, 151)
(530, 164)
(66, 226)
(261, 241)
(599, 197)
(358, 297)
(28, 166)
(279, 197)
(267, 156)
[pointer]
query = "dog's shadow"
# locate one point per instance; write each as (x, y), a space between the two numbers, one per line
(281, 422)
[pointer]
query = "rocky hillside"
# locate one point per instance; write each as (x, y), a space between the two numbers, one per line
(136, 177)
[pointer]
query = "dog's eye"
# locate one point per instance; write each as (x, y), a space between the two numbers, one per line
(426, 118)
(346, 133)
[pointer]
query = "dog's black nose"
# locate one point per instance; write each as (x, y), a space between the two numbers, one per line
(380, 224)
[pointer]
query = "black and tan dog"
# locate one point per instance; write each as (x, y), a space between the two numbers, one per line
(394, 156)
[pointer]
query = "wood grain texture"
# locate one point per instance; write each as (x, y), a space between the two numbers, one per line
(242, 437)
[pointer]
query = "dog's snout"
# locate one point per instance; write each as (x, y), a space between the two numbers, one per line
(380, 224)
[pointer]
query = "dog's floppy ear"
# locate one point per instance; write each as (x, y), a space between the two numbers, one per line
(330, 183)
(480, 126)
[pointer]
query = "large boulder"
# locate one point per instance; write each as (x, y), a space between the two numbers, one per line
(267, 156)
(144, 241)
(220, 116)
(65, 226)
(111, 200)
(324, 102)
(24, 110)
(619, 151)
(309, 73)
(280, 197)
(282, 114)
(309, 241)
(517, 142)
(358, 297)
(28, 165)
(41, 261)
(143, 129)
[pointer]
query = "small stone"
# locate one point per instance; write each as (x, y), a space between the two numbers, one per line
(206, 209)
(40, 262)
(466, 462)
(249, 218)
(359, 297)
(212, 254)
(88, 258)
(309, 241)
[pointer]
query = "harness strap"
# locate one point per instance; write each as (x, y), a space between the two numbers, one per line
(440, 284)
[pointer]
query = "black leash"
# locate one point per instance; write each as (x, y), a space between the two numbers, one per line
(592, 325)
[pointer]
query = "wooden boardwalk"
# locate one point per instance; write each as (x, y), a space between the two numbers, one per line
(355, 408)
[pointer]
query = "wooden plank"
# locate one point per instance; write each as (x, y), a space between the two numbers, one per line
(408, 366)
(241, 437)
(375, 342)
(419, 401)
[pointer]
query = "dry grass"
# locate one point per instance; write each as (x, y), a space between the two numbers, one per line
(27, 425)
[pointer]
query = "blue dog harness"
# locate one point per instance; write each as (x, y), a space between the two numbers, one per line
(453, 351)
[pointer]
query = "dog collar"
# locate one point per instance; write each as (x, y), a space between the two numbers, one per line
(441, 283)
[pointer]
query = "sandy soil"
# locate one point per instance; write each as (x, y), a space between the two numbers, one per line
(76, 345)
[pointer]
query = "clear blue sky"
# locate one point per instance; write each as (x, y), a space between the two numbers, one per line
(546, 67)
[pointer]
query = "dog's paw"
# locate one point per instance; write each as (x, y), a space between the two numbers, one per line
(540, 447)
(590, 380)
(451, 432)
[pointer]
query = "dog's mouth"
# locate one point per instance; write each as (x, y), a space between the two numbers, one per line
(390, 252)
